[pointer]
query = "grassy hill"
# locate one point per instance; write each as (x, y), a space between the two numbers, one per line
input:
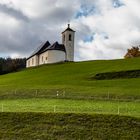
(60, 89)
(72, 77)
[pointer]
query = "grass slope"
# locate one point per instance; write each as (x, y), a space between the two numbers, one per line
(73, 80)
(67, 88)
(28, 126)
(71, 106)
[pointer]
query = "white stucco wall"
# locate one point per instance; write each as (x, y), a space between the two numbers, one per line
(32, 62)
(43, 58)
(55, 56)
(51, 56)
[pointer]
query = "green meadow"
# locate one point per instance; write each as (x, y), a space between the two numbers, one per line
(72, 78)
(68, 88)
(71, 106)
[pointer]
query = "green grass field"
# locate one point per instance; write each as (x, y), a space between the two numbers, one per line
(71, 106)
(74, 79)
(68, 88)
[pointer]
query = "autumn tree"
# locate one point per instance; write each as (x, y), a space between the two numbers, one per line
(133, 52)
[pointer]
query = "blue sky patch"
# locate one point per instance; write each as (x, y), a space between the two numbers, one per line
(88, 38)
(86, 10)
(117, 3)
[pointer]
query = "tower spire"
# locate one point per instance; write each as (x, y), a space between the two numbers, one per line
(68, 23)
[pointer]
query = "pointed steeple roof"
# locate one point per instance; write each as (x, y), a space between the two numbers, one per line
(68, 29)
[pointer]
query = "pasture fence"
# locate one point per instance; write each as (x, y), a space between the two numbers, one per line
(66, 94)
(117, 109)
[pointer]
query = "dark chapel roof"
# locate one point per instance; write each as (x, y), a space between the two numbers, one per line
(56, 46)
(47, 46)
(40, 49)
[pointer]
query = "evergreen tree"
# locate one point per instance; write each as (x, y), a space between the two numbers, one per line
(8, 65)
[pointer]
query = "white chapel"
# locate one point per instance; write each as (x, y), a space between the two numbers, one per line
(47, 53)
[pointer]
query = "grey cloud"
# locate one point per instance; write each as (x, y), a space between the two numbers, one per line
(12, 12)
(60, 14)
(29, 35)
(25, 39)
(49, 18)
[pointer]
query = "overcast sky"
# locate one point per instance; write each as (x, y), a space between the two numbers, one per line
(105, 29)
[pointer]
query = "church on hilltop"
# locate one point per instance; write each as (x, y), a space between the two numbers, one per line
(47, 53)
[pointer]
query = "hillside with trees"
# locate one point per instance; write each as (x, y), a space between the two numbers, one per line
(8, 65)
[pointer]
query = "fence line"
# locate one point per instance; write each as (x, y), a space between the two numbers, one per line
(40, 93)
(116, 109)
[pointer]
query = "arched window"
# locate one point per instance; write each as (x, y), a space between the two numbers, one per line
(69, 37)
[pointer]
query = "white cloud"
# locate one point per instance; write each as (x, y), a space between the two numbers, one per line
(25, 24)
(121, 25)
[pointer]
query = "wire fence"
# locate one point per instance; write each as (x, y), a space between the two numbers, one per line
(64, 94)
(118, 109)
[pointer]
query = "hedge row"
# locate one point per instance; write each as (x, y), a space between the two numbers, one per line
(117, 75)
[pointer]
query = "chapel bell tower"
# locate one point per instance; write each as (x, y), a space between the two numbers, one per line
(68, 37)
